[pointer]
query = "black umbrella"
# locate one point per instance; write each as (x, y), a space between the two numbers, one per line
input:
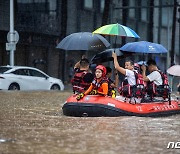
(83, 41)
(106, 55)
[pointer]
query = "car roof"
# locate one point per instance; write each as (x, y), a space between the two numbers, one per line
(8, 66)
(15, 67)
(23, 67)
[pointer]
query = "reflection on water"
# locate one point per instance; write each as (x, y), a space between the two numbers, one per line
(2, 140)
(35, 122)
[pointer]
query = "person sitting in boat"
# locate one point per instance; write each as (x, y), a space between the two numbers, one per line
(82, 77)
(157, 81)
(133, 85)
(112, 84)
(99, 85)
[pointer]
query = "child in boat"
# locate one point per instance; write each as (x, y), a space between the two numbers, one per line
(99, 85)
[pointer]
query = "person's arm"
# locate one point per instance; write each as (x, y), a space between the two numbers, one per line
(81, 95)
(88, 90)
(145, 78)
(77, 65)
(113, 85)
(116, 64)
(105, 89)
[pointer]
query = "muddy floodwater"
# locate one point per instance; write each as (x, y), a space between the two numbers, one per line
(33, 123)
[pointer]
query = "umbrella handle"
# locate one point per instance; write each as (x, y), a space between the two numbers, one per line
(143, 59)
(115, 40)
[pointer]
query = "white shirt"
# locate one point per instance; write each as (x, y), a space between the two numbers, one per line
(155, 77)
(130, 77)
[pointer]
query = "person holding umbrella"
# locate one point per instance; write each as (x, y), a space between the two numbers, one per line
(77, 65)
(157, 81)
(130, 80)
(133, 86)
(154, 75)
(82, 77)
(128, 71)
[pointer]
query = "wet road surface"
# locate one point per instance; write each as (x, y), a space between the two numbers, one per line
(33, 123)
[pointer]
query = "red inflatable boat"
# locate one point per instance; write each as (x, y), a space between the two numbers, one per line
(96, 106)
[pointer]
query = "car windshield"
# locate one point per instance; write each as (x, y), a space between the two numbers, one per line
(4, 69)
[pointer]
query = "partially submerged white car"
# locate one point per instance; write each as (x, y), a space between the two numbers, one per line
(27, 78)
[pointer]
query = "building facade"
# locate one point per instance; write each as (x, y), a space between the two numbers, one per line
(42, 24)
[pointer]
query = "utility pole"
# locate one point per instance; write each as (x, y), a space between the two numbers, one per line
(12, 36)
(179, 28)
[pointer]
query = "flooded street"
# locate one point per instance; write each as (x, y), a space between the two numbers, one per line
(33, 123)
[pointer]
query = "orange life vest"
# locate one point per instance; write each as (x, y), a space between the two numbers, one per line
(97, 85)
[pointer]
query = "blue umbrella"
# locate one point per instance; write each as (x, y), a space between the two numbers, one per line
(83, 41)
(144, 47)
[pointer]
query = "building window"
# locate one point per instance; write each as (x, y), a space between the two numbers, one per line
(167, 14)
(43, 6)
(132, 11)
(144, 10)
(164, 16)
(88, 4)
(31, 1)
(102, 5)
(22, 1)
(52, 7)
(39, 1)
